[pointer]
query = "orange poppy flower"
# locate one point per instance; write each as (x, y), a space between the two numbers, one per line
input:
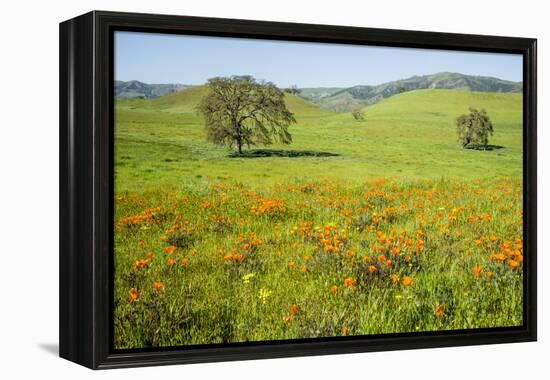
(138, 264)
(293, 309)
(158, 286)
(407, 281)
(133, 295)
(439, 310)
(350, 282)
(169, 249)
(477, 271)
(333, 289)
(506, 244)
(169, 262)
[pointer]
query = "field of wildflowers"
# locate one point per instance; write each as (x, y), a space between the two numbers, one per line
(213, 249)
(230, 264)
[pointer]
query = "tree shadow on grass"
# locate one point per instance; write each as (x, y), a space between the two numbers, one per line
(258, 153)
(483, 147)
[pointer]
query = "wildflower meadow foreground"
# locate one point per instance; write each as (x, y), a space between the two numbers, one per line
(221, 262)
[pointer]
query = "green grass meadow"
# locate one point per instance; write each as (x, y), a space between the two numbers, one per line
(358, 227)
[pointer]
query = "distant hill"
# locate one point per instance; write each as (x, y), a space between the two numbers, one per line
(337, 98)
(186, 101)
(318, 93)
(348, 99)
(135, 89)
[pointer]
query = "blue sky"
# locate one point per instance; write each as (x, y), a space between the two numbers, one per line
(159, 58)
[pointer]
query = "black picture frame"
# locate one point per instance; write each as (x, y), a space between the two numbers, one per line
(86, 187)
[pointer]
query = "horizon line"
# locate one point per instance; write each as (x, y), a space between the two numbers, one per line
(324, 86)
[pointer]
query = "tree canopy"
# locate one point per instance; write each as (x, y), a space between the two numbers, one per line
(358, 114)
(238, 110)
(294, 90)
(474, 128)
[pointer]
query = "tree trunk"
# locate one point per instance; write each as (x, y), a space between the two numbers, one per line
(238, 146)
(238, 140)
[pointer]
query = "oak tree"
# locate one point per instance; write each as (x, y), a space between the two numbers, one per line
(238, 110)
(474, 128)
(358, 115)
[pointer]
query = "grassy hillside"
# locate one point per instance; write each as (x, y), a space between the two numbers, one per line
(394, 229)
(186, 101)
(409, 135)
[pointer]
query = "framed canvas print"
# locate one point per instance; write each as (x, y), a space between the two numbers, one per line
(237, 189)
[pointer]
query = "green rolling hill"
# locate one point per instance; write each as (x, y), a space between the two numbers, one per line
(409, 135)
(185, 102)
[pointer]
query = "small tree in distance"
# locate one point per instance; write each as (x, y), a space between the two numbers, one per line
(474, 128)
(294, 90)
(239, 110)
(358, 115)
